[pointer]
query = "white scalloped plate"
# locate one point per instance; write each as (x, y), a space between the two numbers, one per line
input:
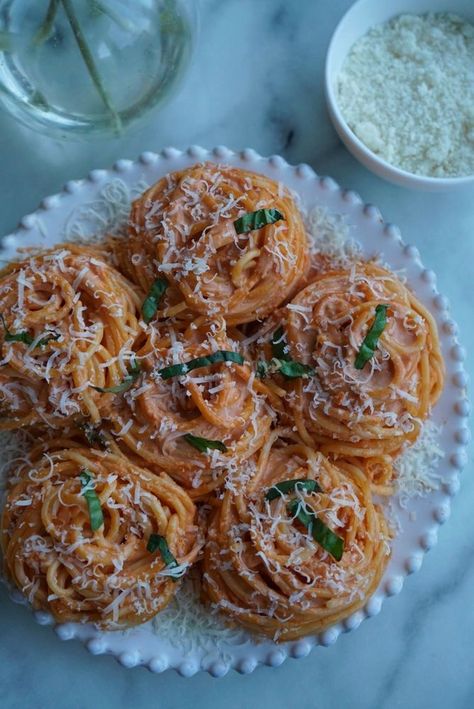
(101, 200)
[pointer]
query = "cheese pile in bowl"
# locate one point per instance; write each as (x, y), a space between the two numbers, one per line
(406, 89)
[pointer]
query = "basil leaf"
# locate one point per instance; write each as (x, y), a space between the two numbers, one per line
(156, 542)
(177, 370)
(263, 368)
(285, 486)
(257, 220)
(294, 370)
(288, 368)
(25, 337)
(320, 532)
(94, 435)
(17, 336)
(369, 343)
(152, 301)
(96, 516)
(279, 346)
(132, 376)
(204, 444)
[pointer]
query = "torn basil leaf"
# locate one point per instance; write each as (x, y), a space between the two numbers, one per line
(279, 346)
(287, 368)
(177, 370)
(157, 542)
(285, 486)
(96, 516)
(370, 341)
(25, 337)
(257, 220)
(152, 301)
(320, 532)
(204, 444)
(133, 374)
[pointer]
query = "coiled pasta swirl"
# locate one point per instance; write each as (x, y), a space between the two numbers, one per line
(264, 569)
(106, 576)
(185, 225)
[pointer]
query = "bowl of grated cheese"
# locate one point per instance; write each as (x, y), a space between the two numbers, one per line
(400, 90)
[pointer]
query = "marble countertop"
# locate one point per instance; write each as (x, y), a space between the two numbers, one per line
(257, 81)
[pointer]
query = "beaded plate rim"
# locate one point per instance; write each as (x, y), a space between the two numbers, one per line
(52, 208)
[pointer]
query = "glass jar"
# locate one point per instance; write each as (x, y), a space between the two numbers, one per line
(91, 66)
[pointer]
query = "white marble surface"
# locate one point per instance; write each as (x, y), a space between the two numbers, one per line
(257, 81)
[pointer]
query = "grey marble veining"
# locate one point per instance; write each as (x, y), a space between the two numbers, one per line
(257, 81)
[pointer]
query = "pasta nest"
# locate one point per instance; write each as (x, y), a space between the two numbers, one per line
(375, 410)
(216, 403)
(262, 566)
(69, 321)
(183, 228)
(106, 576)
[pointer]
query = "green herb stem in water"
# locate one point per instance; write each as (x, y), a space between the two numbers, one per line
(90, 63)
(7, 41)
(46, 27)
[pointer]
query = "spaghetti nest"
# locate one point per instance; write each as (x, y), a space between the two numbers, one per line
(263, 566)
(374, 410)
(184, 228)
(215, 403)
(68, 323)
(106, 576)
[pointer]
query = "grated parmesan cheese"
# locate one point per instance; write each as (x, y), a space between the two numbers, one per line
(406, 89)
(416, 466)
(329, 237)
(188, 624)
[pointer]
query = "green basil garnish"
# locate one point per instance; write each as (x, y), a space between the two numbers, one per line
(157, 542)
(132, 376)
(152, 301)
(257, 220)
(25, 337)
(285, 486)
(320, 532)
(293, 370)
(262, 368)
(369, 343)
(204, 444)
(96, 516)
(281, 361)
(93, 435)
(288, 368)
(177, 370)
(279, 346)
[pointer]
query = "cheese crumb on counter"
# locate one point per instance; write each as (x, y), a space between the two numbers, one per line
(406, 89)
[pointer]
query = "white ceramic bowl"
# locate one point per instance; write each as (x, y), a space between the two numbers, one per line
(363, 15)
